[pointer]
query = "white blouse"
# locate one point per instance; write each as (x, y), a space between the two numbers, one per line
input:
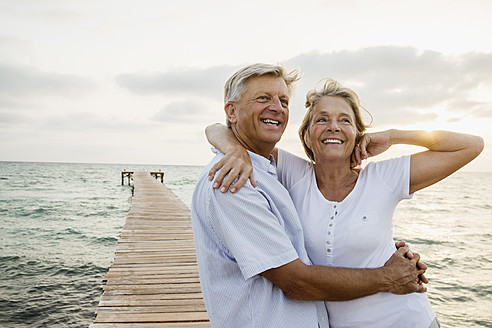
(356, 233)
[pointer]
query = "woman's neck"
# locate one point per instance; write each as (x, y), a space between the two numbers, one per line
(335, 181)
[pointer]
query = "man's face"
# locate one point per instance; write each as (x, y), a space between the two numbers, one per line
(261, 116)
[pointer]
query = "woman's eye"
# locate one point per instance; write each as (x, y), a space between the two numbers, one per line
(262, 98)
(320, 120)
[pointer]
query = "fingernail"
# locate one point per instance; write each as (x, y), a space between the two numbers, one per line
(233, 190)
(216, 185)
(210, 177)
(222, 189)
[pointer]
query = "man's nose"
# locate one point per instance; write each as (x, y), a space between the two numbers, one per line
(276, 104)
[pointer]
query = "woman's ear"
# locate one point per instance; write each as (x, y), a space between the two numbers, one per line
(230, 110)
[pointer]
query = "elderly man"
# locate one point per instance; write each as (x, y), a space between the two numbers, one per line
(253, 266)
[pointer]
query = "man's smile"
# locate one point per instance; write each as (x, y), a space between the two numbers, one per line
(270, 121)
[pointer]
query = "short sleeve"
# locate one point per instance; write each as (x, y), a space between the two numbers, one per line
(249, 231)
(395, 174)
(291, 168)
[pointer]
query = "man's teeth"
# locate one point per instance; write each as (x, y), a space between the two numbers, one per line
(269, 121)
(332, 141)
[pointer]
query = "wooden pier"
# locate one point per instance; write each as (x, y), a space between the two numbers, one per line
(153, 281)
(129, 176)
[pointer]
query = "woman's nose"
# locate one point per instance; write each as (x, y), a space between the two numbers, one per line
(333, 126)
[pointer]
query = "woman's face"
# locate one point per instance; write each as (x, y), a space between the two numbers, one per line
(332, 130)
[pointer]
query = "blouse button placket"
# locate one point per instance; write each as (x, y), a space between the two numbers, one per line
(329, 237)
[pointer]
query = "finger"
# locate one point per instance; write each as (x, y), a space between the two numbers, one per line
(229, 179)
(421, 265)
(243, 178)
(352, 160)
(423, 279)
(216, 167)
(353, 163)
(357, 155)
(399, 244)
(421, 289)
(402, 251)
(409, 254)
(220, 175)
(252, 180)
(363, 148)
(246, 174)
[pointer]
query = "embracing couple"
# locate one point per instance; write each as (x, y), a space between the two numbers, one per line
(297, 243)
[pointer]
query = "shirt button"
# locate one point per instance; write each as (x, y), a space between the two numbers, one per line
(329, 232)
(328, 250)
(336, 213)
(334, 206)
(332, 217)
(331, 224)
(328, 242)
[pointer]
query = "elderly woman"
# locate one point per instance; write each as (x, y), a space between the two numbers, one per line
(346, 212)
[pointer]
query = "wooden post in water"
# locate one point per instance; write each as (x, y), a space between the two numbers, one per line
(126, 174)
(158, 175)
(153, 281)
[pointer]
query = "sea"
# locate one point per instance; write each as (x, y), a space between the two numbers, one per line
(60, 222)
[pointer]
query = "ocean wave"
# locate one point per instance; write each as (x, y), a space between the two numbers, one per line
(107, 241)
(8, 259)
(96, 214)
(80, 270)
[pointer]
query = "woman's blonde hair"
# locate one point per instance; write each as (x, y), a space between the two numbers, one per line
(330, 88)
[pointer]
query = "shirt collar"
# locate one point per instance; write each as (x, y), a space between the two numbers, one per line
(265, 164)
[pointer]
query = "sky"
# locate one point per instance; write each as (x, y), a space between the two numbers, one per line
(137, 82)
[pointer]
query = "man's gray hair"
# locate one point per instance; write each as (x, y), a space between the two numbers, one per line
(236, 84)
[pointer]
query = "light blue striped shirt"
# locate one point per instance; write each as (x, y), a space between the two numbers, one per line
(239, 236)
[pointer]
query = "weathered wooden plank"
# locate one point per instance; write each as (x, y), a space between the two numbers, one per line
(152, 317)
(153, 281)
(147, 301)
(168, 308)
(152, 325)
(156, 297)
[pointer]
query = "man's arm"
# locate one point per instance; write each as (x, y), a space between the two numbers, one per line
(299, 281)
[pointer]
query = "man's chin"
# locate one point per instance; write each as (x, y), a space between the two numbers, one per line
(273, 138)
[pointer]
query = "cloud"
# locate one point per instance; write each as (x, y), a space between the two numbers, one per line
(402, 84)
(182, 111)
(398, 85)
(25, 81)
(9, 118)
(207, 82)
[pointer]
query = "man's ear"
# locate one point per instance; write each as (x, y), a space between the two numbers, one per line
(230, 110)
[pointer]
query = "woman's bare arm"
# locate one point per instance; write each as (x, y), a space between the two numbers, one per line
(235, 164)
(446, 152)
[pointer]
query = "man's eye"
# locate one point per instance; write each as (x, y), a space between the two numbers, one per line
(284, 102)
